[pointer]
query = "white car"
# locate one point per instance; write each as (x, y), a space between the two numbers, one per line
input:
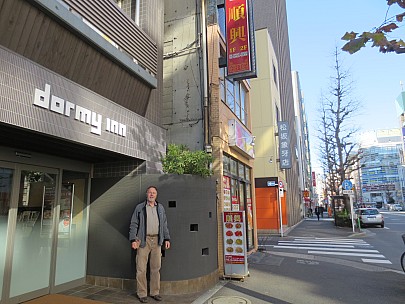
(370, 216)
(396, 207)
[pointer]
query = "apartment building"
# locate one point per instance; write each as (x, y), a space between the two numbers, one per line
(279, 187)
(80, 101)
(381, 170)
(306, 179)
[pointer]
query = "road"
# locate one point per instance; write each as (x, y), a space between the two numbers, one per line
(318, 262)
(389, 240)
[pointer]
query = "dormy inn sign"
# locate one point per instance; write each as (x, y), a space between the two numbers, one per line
(44, 99)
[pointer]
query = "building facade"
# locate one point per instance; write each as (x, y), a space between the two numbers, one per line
(306, 179)
(80, 100)
(266, 113)
(272, 16)
(381, 168)
(206, 110)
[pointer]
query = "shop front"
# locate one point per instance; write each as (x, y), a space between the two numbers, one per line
(55, 136)
(43, 229)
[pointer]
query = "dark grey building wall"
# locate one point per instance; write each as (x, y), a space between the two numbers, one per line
(190, 204)
(21, 77)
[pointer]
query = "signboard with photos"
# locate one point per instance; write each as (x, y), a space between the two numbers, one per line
(235, 257)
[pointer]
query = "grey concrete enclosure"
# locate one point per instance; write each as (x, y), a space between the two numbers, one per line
(190, 204)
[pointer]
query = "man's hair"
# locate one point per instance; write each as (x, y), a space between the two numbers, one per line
(152, 187)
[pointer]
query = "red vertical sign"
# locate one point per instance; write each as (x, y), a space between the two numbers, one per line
(237, 36)
(313, 179)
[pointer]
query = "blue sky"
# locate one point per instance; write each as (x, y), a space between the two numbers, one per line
(315, 29)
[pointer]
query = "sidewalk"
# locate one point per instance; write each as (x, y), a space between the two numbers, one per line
(229, 291)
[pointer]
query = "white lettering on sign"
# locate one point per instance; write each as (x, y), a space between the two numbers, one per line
(44, 99)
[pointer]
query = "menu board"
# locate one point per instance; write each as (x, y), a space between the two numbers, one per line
(235, 244)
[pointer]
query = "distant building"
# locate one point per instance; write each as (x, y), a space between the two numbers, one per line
(306, 181)
(381, 178)
(271, 17)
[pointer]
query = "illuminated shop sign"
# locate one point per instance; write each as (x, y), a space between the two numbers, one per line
(240, 138)
(44, 99)
(240, 39)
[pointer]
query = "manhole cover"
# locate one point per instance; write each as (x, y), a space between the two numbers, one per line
(229, 300)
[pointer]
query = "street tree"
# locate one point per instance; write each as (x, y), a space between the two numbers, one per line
(379, 36)
(336, 129)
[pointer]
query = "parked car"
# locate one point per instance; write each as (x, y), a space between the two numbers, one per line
(396, 207)
(370, 216)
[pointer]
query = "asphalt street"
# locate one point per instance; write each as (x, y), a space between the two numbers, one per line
(317, 262)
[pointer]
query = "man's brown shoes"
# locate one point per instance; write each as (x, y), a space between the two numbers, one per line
(156, 298)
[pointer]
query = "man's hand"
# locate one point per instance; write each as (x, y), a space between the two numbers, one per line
(135, 244)
(167, 244)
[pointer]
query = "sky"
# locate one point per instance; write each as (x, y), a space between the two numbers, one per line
(315, 28)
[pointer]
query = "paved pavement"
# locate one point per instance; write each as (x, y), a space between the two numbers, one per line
(234, 291)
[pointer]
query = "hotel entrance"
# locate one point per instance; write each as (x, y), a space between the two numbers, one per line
(43, 230)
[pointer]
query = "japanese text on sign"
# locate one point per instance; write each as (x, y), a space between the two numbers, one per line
(284, 145)
(237, 33)
(233, 217)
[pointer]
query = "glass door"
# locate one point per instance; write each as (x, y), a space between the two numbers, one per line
(6, 182)
(34, 231)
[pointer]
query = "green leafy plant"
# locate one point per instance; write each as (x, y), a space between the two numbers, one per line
(180, 160)
(343, 219)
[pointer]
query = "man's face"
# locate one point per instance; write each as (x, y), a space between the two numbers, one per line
(151, 194)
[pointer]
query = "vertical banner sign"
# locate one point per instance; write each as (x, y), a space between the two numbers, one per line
(235, 244)
(227, 193)
(313, 179)
(284, 145)
(237, 37)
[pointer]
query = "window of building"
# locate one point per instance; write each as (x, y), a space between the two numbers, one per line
(244, 113)
(275, 75)
(230, 94)
(241, 170)
(226, 163)
(234, 95)
(221, 21)
(234, 167)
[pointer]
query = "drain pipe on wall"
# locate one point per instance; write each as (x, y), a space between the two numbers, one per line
(203, 24)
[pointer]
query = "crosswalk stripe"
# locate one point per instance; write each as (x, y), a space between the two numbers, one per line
(376, 261)
(332, 246)
(335, 249)
(347, 254)
(323, 245)
(327, 241)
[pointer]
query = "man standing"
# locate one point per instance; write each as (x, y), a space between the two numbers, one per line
(147, 232)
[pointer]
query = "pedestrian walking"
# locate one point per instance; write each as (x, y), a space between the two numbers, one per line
(317, 212)
(148, 231)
